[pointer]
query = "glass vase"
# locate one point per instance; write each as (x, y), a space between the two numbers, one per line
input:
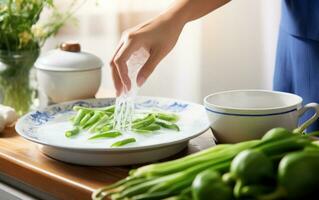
(15, 88)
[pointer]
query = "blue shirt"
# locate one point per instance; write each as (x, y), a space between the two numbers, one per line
(301, 18)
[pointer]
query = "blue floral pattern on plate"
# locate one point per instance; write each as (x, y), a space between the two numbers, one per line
(37, 118)
(47, 126)
(171, 106)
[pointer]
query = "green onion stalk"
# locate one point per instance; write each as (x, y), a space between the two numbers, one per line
(175, 178)
(15, 88)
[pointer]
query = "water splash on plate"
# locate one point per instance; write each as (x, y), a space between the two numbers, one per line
(124, 105)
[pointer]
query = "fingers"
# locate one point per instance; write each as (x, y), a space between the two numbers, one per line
(148, 68)
(115, 74)
(120, 62)
(117, 81)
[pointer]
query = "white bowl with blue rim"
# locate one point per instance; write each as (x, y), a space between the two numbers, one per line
(47, 127)
(240, 115)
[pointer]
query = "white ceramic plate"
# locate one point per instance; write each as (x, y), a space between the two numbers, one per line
(47, 127)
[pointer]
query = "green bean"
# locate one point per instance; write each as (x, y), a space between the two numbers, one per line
(72, 132)
(170, 117)
(148, 120)
(138, 120)
(141, 131)
(167, 125)
(85, 119)
(72, 119)
(100, 120)
(149, 129)
(104, 119)
(123, 142)
(111, 116)
(94, 119)
(109, 109)
(108, 134)
(109, 113)
(78, 117)
(104, 128)
(152, 127)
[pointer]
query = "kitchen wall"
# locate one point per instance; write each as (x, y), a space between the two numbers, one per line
(238, 46)
(232, 48)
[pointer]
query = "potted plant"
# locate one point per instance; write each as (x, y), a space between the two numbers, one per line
(22, 34)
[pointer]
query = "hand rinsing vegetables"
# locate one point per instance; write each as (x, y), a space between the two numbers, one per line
(100, 121)
(281, 165)
(124, 109)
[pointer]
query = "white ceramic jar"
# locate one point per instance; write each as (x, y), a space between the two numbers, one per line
(66, 74)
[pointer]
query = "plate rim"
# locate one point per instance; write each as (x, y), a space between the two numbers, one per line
(107, 149)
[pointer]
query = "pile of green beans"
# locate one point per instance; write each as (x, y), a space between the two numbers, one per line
(99, 122)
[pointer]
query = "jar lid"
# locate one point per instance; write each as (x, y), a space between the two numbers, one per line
(68, 58)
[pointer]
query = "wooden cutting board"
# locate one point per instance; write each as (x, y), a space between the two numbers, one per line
(21, 160)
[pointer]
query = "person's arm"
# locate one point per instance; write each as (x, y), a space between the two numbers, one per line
(188, 10)
(158, 36)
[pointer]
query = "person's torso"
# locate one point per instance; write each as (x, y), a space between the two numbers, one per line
(301, 18)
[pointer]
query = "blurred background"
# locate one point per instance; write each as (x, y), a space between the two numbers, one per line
(231, 48)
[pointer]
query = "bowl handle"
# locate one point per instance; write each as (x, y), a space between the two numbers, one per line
(312, 119)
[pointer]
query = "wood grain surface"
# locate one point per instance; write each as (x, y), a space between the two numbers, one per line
(21, 160)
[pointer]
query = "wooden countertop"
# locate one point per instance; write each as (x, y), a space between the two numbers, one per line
(21, 160)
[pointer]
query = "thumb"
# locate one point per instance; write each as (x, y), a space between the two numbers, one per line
(147, 68)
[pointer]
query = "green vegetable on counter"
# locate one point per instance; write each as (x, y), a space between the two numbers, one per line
(208, 185)
(123, 142)
(281, 165)
(298, 175)
(160, 178)
(251, 167)
(276, 134)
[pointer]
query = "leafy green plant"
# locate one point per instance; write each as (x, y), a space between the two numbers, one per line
(21, 27)
(22, 32)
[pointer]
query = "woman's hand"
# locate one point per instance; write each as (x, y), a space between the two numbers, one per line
(157, 36)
